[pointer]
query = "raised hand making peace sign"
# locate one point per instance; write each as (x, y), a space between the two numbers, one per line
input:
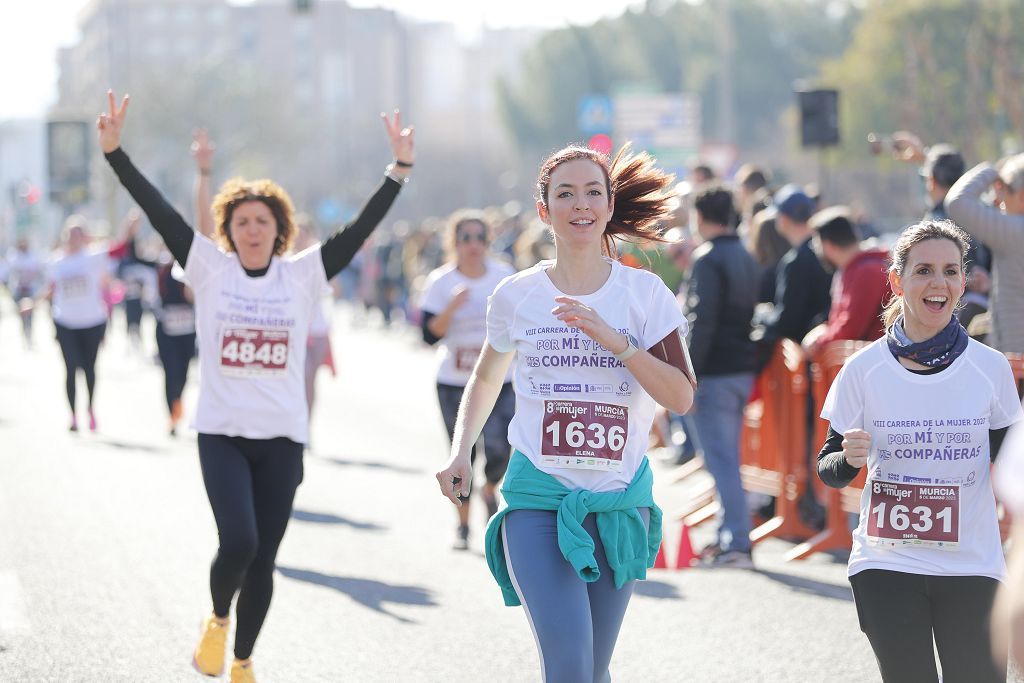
(109, 125)
(401, 139)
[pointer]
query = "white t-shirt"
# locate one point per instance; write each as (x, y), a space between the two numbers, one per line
(252, 341)
(1009, 472)
(928, 506)
(320, 325)
(24, 273)
(458, 349)
(580, 416)
(78, 288)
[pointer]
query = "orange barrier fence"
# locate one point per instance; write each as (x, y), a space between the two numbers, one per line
(838, 502)
(773, 449)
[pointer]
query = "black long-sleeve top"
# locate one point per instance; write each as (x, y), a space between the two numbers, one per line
(834, 471)
(720, 304)
(802, 294)
(336, 252)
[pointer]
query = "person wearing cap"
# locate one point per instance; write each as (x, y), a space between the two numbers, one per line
(802, 296)
(941, 165)
(861, 289)
(1002, 229)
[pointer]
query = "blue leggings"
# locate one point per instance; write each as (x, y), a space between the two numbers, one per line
(574, 623)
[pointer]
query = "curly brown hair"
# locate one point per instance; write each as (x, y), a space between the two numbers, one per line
(237, 191)
(641, 191)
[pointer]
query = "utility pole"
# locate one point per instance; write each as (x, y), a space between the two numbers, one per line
(726, 92)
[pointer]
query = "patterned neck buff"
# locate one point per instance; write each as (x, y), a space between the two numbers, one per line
(939, 351)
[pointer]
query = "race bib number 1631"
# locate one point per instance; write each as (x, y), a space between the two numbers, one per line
(902, 515)
(584, 434)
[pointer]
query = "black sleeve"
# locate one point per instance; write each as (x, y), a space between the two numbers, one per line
(792, 288)
(833, 469)
(165, 219)
(428, 336)
(340, 247)
(995, 441)
(704, 303)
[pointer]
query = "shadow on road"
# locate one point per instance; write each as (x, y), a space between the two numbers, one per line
(825, 590)
(367, 592)
(657, 589)
(345, 462)
(327, 518)
(127, 446)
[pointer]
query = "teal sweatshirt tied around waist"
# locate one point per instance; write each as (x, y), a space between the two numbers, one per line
(630, 546)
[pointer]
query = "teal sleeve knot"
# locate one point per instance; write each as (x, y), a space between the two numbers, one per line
(630, 546)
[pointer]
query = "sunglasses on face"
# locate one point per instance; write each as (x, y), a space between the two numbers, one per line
(467, 237)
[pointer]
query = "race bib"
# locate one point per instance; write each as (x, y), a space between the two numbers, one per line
(914, 515)
(465, 358)
(249, 352)
(584, 435)
(74, 287)
(178, 320)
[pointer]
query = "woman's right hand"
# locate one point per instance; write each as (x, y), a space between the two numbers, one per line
(454, 479)
(460, 295)
(856, 447)
(202, 150)
(109, 125)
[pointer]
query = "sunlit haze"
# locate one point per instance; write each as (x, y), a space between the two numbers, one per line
(31, 32)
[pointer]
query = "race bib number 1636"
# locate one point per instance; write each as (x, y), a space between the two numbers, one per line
(584, 434)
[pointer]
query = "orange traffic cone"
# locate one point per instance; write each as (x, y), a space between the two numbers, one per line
(660, 562)
(686, 557)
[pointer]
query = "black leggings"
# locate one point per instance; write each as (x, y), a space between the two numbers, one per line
(251, 484)
(175, 354)
(901, 613)
(80, 348)
(495, 431)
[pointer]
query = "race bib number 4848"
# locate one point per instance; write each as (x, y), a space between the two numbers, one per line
(247, 352)
(584, 434)
(914, 515)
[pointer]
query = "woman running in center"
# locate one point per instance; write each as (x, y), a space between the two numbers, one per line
(594, 345)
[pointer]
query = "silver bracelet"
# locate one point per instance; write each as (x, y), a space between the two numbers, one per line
(390, 173)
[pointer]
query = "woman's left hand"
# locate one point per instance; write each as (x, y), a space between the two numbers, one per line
(577, 314)
(401, 139)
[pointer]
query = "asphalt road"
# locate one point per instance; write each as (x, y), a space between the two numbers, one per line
(106, 539)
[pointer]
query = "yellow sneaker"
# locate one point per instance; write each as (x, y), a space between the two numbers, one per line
(241, 672)
(208, 657)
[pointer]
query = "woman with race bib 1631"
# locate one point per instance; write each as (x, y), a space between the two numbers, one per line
(923, 408)
(594, 346)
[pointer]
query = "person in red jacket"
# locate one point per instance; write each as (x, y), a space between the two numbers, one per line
(860, 292)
